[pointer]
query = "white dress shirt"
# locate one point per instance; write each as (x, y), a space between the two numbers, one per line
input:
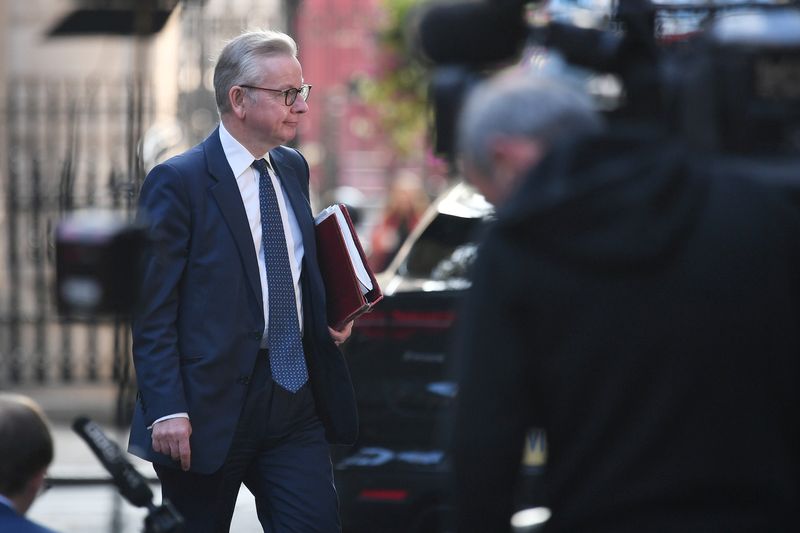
(241, 162)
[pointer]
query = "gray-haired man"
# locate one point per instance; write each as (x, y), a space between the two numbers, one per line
(639, 304)
(510, 123)
(240, 378)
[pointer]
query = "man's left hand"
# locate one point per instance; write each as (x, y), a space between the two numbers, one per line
(341, 335)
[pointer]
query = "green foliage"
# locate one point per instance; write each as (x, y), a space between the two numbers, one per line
(398, 89)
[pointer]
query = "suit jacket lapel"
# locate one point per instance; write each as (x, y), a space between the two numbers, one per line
(291, 184)
(229, 199)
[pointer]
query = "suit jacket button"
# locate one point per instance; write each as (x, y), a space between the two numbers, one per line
(243, 380)
(257, 335)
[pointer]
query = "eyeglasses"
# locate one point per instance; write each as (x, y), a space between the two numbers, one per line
(289, 95)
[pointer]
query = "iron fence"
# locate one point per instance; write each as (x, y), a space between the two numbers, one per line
(69, 145)
(73, 144)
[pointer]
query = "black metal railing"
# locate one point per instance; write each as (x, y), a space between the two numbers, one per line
(69, 145)
(73, 144)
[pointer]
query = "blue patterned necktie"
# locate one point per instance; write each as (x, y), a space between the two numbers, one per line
(286, 356)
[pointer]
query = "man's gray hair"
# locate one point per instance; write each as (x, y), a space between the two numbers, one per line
(238, 62)
(522, 105)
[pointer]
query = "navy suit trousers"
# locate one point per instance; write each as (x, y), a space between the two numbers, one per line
(279, 452)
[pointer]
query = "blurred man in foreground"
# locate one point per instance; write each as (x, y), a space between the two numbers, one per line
(26, 450)
(643, 309)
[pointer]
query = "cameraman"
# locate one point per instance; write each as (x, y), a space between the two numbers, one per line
(640, 307)
(26, 450)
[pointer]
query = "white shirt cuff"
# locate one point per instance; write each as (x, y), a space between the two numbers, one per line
(176, 415)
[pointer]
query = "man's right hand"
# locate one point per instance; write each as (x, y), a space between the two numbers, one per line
(171, 437)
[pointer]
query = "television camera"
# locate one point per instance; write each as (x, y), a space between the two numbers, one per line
(723, 75)
(96, 264)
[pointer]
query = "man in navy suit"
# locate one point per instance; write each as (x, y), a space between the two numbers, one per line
(240, 378)
(26, 450)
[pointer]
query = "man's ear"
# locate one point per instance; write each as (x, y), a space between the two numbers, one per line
(236, 98)
(37, 481)
(512, 156)
(24, 500)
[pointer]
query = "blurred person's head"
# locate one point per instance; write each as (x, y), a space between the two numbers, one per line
(407, 196)
(509, 123)
(26, 450)
(259, 89)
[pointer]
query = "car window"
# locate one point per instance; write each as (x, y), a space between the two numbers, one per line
(445, 250)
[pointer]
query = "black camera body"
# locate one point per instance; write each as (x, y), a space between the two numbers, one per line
(731, 85)
(746, 84)
(97, 254)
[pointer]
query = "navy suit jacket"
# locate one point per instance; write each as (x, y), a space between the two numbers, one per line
(200, 318)
(12, 521)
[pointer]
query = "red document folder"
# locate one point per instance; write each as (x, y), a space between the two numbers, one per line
(350, 286)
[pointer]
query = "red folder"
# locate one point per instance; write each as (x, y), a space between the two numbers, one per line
(341, 261)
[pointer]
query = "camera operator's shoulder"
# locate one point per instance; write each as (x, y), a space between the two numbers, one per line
(775, 180)
(784, 187)
(779, 173)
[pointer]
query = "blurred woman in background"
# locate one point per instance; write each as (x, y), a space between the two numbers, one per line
(405, 204)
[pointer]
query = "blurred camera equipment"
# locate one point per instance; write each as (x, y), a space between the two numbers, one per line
(474, 33)
(96, 257)
(722, 74)
(746, 84)
(131, 484)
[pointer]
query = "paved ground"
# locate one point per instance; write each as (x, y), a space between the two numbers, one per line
(82, 499)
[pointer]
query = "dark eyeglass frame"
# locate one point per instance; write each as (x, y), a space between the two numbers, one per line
(289, 95)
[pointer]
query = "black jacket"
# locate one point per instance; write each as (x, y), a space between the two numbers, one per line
(642, 306)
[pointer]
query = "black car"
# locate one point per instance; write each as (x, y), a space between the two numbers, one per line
(396, 478)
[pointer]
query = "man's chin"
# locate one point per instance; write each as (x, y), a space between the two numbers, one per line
(289, 135)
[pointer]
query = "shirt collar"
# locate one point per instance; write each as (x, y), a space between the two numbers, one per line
(239, 158)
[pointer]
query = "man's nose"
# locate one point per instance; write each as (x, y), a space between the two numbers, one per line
(299, 105)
